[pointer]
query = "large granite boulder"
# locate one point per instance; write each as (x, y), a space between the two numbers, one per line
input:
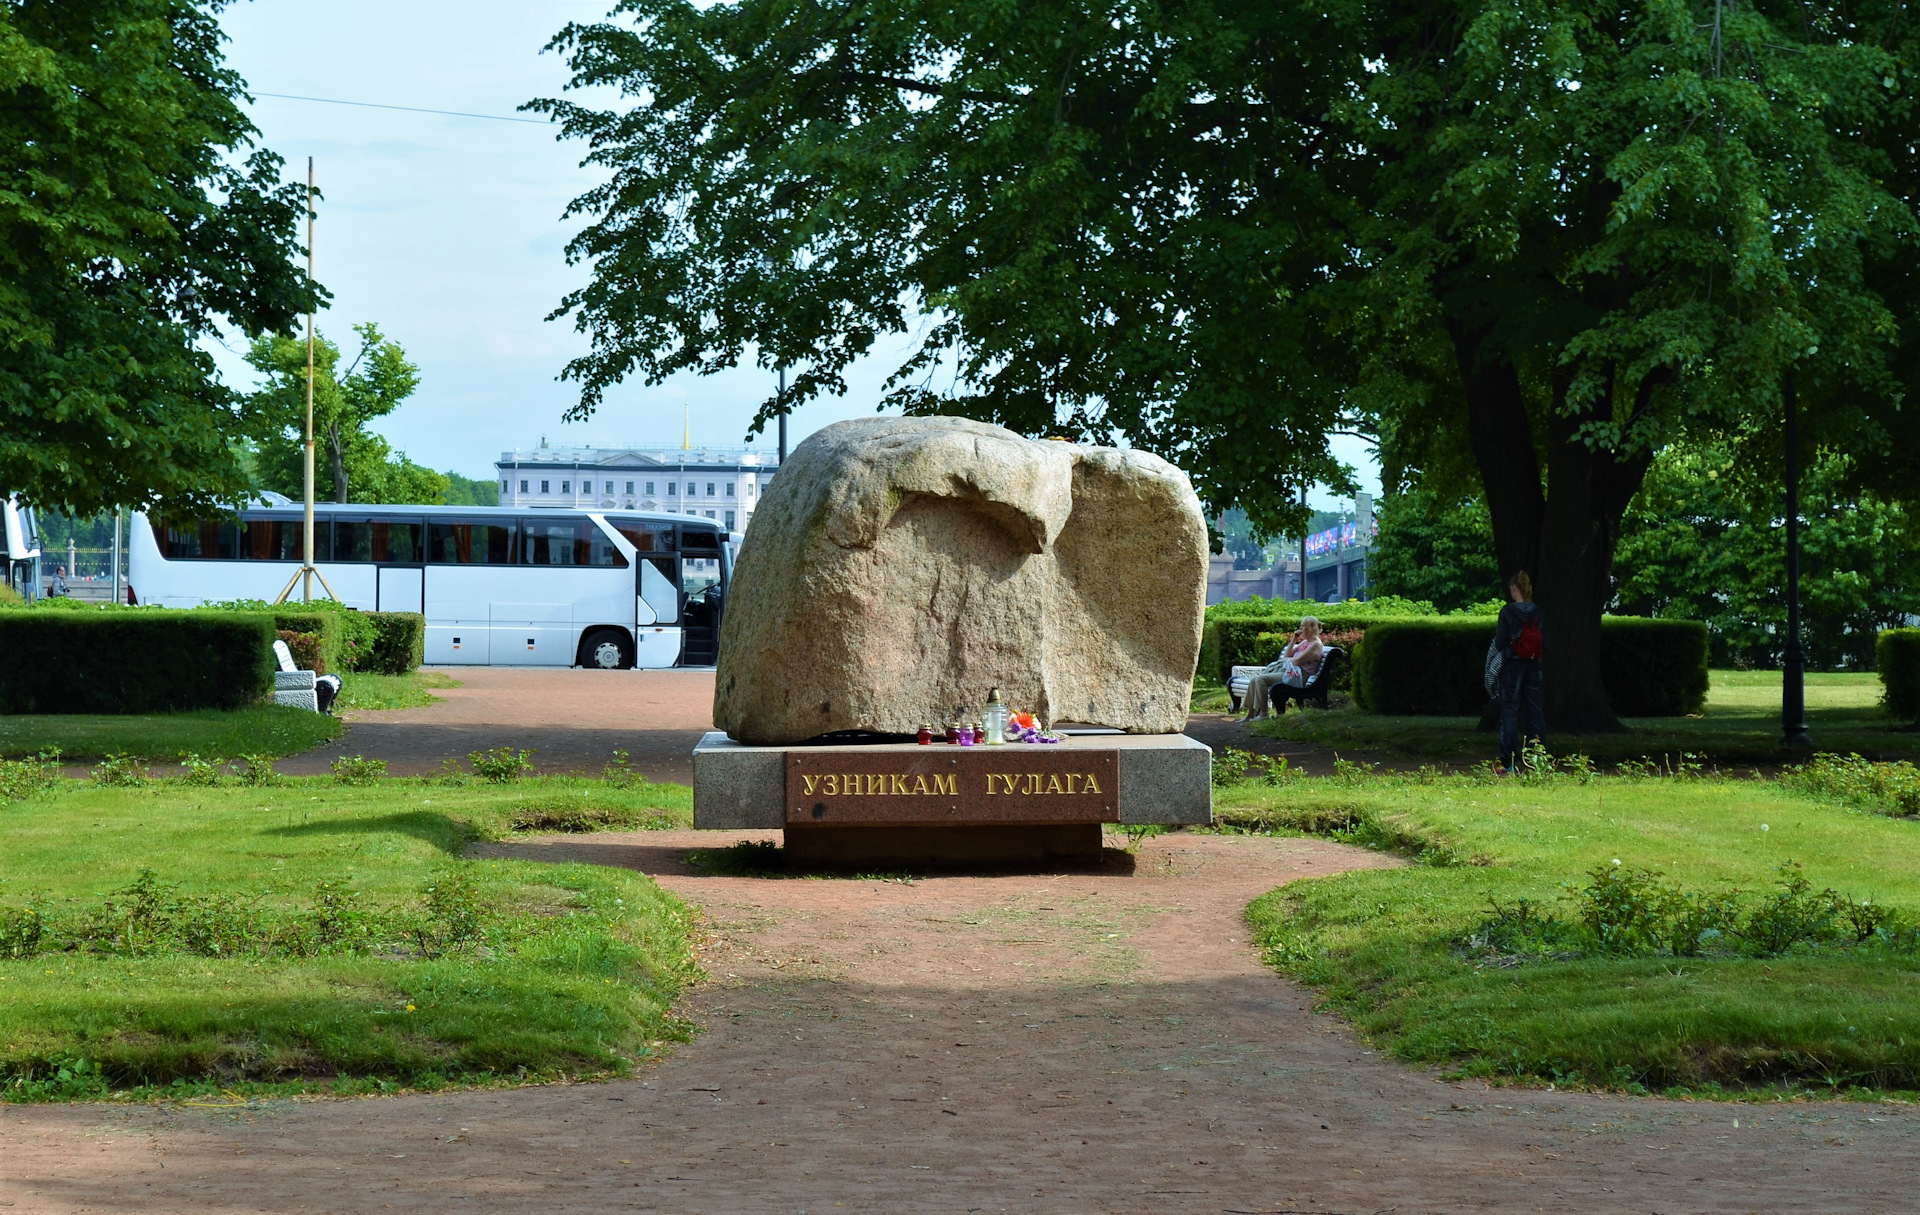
(899, 568)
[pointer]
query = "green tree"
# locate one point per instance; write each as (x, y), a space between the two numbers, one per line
(1705, 541)
(135, 217)
(465, 491)
(1433, 550)
(1524, 243)
(1597, 227)
(354, 463)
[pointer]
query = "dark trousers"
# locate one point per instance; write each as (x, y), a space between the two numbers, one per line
(1522, 719)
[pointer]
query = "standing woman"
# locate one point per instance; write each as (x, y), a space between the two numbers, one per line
(1521, 639)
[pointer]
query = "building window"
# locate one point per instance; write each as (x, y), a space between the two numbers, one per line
(543, 487)
(709, 514)
(669, 489)
(709, 493)
(630, 487)
(610, 487)
(523, 487)
(649, 487)
(566, 487)
(503, 487)
(729, 489)
(729, 520)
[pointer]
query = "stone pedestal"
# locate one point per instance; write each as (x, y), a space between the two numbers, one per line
(908, 804)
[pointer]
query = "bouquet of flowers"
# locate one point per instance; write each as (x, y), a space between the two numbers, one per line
(1024, 727)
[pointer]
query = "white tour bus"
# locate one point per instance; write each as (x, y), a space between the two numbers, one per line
(499, 587)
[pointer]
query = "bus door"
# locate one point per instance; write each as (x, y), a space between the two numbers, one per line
(656, 610)
(700, 597)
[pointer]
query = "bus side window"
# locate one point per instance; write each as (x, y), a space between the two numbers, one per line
(555, 542)
(645, 536)
(396, 540)
(353, 541)
(470, 542)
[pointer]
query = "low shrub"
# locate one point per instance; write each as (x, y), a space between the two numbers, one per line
(256, 770)
(149, 917)
(348, 639)
(22, 778)
(203, 772)
(501, 765)
(620, 772)
(1435, 668)
(308, 653)
(135, 660)
(119, 771)
(1896, 655)
(1638, 912)
(1892, 788)
(358, 770)
(399, 643)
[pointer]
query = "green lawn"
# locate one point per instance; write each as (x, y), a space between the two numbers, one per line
(164, 737)
(256, 730)
(410, 691)
(324, 936)
(1740, 725)
(1406, 953)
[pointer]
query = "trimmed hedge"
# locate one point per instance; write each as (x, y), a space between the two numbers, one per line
(325, 628)
(1230, 641)
(1653, 668)
(1896, 655)
(146, 661)
(399, 642)
(1435, 668)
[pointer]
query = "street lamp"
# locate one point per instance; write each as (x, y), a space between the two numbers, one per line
(1793, 679)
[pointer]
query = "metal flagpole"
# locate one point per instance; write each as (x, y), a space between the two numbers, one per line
(783, 414)
(308, 571)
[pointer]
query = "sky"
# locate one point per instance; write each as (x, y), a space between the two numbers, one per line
(448, 231)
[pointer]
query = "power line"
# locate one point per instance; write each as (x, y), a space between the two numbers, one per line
(411, 109)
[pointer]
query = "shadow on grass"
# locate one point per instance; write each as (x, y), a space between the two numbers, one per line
(1724, 737)
(449, 835)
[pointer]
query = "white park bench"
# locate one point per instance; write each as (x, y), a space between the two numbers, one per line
(301, 689)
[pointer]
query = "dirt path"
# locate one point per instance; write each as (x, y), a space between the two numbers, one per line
(572, 719)
(1080, 1042)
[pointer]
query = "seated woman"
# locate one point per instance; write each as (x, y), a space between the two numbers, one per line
(1298, 663)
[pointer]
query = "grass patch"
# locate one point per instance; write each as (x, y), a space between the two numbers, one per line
(1740, 724)
(308, 935)
(410, 691)
(163, 737)
(1446, 962)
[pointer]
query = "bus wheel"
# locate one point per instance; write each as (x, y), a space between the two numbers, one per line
(606, 650)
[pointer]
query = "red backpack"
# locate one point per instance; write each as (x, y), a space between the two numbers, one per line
(1529, 645)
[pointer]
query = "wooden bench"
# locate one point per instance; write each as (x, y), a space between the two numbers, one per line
(1316, 690)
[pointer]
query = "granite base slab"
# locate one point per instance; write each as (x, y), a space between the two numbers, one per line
(1164, 779)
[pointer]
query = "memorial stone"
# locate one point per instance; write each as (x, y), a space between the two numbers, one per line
(899, 568)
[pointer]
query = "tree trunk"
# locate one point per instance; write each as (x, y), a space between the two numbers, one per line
(337, 454)
(1562, 528)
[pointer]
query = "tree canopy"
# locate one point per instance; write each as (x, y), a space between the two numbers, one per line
(136, 216)
(1524, 244)
(351, 462)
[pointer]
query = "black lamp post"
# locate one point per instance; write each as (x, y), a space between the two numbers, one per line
(783, 414)
(1793, 681)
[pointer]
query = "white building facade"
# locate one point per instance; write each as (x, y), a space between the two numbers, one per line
(719, 483)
